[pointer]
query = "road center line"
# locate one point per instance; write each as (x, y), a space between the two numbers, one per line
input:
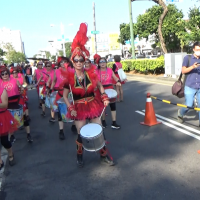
(179, 124)
(174, 127)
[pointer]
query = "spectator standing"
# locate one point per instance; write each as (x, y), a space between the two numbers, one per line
(191, 67)
(28, 71)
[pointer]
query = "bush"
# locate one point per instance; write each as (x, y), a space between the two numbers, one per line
(142, 65)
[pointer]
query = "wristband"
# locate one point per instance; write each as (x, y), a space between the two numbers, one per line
(103, 93)
(50, 91)
(104, 97)
(71, 108)
(48, 87)
(119, 81)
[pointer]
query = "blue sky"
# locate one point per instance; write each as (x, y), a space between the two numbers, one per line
(33, 17)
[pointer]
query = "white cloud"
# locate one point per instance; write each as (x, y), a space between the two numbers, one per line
(70, 24)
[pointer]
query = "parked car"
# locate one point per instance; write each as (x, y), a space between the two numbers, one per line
(152, 56)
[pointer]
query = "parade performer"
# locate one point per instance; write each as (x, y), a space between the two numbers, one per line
(116, 66)
(12, 87)
(55, 86)
(96, 59)
(22, 102)
(7, 125)
(38, 74)
(14, 73)
(46, 74)
(106, 75)
(82, 84)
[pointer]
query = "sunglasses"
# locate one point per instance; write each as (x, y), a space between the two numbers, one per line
(4, 74)
(102, 61)
(40, 64)
(87, 62)
(48, 65)
(14, 72)
(79, 60)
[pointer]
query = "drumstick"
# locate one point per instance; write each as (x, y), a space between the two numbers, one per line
(45, 73)
(71, 93)
(102, 113)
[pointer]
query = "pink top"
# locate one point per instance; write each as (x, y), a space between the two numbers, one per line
(50, 73)
(39, 73)
(11, 87)
(1, 92)
(19, 78)
(59, 77)
(105, 77)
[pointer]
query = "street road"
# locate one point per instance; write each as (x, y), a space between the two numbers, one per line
(158, 163)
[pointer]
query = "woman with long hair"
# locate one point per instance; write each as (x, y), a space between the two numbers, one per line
(82, 85)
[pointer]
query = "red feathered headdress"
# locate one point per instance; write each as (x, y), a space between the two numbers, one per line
(78, 45)
(12, 69)
(97, 58)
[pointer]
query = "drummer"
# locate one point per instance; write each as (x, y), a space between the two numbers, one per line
(12, 87)
(22, 102)
(46, 74)
(82, 85)
(105, 76)
(55, 86)
(7, 125)
(38, 74)
(14, 73)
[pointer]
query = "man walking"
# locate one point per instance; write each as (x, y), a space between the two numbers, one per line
(191, 68)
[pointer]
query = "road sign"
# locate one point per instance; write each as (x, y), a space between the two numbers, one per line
(95, 32)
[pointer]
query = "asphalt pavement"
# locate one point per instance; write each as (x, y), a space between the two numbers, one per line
(159, 162)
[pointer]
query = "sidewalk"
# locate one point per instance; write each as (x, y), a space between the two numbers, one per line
(151, 78)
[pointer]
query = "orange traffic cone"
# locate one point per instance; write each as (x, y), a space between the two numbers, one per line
(150, 117)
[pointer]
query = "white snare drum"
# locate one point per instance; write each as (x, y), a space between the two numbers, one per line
(92, 137)
(112, 95)
(52, 99)
(40, 92)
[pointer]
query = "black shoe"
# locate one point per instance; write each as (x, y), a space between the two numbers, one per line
(61, 135)
(115, 126)
(2, 165)
(12, 139)
(43, 114)
(12, 162)
(80, 160)
(104, 124)
(106, 159)
(73, 129)
(52, 120)
(29, 138)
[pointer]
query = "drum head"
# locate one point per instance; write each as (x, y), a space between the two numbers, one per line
(111, 93)
(91, 130)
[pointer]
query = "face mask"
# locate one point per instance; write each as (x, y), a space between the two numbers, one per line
(197, 53)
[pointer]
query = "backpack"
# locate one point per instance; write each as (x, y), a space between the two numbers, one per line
(178, 87)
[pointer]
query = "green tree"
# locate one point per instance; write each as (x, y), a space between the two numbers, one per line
(68, 49)
(2, 53)
(173, 24)
(193, 25)
(53, 57)
(15, 57)
(48, 54)
(60, 52)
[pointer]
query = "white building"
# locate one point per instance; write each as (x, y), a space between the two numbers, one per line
(13, 37)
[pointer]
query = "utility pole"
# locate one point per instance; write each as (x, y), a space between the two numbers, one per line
(95, 37)
(131, 29)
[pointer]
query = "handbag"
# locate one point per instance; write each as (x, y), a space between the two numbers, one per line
(122, 75)
(178, 86)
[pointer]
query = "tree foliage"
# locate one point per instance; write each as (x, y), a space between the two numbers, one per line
(147, 24)
(48, 54)
(193, 25)
(68, 49)
(15, 57)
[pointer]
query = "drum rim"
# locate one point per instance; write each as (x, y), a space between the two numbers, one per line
(88, 124)
(21, 108)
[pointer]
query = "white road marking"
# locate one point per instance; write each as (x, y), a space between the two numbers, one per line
(174, 127)
(176, 123)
